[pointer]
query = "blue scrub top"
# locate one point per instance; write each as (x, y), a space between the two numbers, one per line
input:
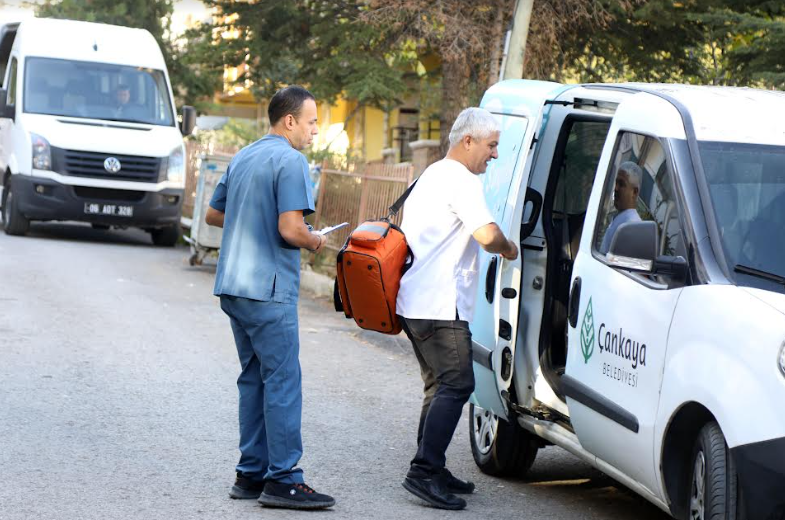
(263, 180)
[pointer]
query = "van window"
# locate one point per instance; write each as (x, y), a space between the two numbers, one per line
(577, 168)
(747, 188)
(11, 96)
(97, 90)
(579, 165)
(640, 187)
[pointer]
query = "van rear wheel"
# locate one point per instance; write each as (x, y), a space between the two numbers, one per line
(500, 448)
(14, 223)
(713, 486)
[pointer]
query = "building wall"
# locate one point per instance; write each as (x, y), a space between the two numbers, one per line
(375, 139)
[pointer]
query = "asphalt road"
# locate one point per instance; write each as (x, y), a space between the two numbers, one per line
(118, 400)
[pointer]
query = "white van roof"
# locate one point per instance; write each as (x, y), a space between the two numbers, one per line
(86, 41)
(732, 114)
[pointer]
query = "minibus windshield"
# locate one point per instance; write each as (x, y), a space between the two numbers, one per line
(747, 187)
(97, 91)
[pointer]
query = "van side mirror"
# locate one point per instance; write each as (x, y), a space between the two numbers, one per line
(635, 240)
(674, 267)
(189, 121)
(6, 111)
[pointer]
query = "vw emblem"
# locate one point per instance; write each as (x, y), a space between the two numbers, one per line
(112, 165)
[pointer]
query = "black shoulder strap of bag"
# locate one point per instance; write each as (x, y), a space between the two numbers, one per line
(398, 204)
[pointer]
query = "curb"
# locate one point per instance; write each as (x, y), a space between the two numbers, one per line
(317, 284)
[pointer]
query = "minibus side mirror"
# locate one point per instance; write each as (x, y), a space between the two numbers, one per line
(635, 240)
(189, 120)
(6, 111)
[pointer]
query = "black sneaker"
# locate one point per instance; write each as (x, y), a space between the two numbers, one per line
(433, 491)
(455, 485)
(246, 488)
(294, 496)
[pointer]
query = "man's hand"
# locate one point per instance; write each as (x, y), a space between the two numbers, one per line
(491, 238)
(322, 242)
(512, 251)
(295, 231)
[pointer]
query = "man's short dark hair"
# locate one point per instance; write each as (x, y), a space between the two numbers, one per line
(288, 100)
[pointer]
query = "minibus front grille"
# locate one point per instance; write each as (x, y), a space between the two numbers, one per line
(91, 164)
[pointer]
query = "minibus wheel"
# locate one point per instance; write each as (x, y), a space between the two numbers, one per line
(713, 485)
(166, 237)
(14, 223)
(500, 448)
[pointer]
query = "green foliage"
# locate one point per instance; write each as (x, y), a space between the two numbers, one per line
(319, 44)
(153, 15)
(235, 134)
(720, 42)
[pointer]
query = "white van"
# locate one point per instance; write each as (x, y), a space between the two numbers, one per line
(88, 129)
(655, 349)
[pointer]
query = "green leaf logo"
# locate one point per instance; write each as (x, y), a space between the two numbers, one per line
(587, 333)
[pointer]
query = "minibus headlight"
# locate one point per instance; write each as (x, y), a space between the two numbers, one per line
(782, 359)
(42, 153)
(175, 165)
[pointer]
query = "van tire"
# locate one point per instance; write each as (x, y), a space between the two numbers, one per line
(166, 237)
(500, 448)
(14, 223)
(713, 493)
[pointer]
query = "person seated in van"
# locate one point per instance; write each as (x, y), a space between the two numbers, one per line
(122, 98)
(445, 221)
(123, 108)
(625, 200)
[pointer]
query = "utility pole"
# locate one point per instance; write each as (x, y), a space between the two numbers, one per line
(515, 52)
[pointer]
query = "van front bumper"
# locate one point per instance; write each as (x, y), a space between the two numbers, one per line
(761, 469)
(46, 199)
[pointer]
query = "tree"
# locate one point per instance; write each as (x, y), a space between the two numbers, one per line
(756, 58)
(716, 42)
(321, 44)
(468, 38)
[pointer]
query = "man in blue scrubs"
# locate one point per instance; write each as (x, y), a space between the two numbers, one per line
(260, 202)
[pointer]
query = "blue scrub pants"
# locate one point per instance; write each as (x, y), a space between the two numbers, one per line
(267, 339)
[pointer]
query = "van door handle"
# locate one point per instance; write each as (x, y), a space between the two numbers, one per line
(535, 198)
(575, 301)
(490, 279)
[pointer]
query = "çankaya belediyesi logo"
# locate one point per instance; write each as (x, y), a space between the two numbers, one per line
(587, 333)
(611, 342)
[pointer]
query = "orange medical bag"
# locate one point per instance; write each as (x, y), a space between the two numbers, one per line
(370, 266)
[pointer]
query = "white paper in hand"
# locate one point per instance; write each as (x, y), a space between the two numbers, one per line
(330, 229)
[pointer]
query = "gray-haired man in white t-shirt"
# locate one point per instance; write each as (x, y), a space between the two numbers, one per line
(446, 220)
(626, 189)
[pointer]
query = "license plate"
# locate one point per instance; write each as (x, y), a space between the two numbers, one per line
(113, 210)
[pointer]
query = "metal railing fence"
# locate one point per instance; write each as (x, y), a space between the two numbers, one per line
(360, 193)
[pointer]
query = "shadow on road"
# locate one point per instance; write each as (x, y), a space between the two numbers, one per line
(84, 232)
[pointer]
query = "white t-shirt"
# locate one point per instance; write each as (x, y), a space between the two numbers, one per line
(440, 215)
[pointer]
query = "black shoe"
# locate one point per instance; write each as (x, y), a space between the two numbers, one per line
(433, 491)
(245, 487)
(293, 496)
(455, 485)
